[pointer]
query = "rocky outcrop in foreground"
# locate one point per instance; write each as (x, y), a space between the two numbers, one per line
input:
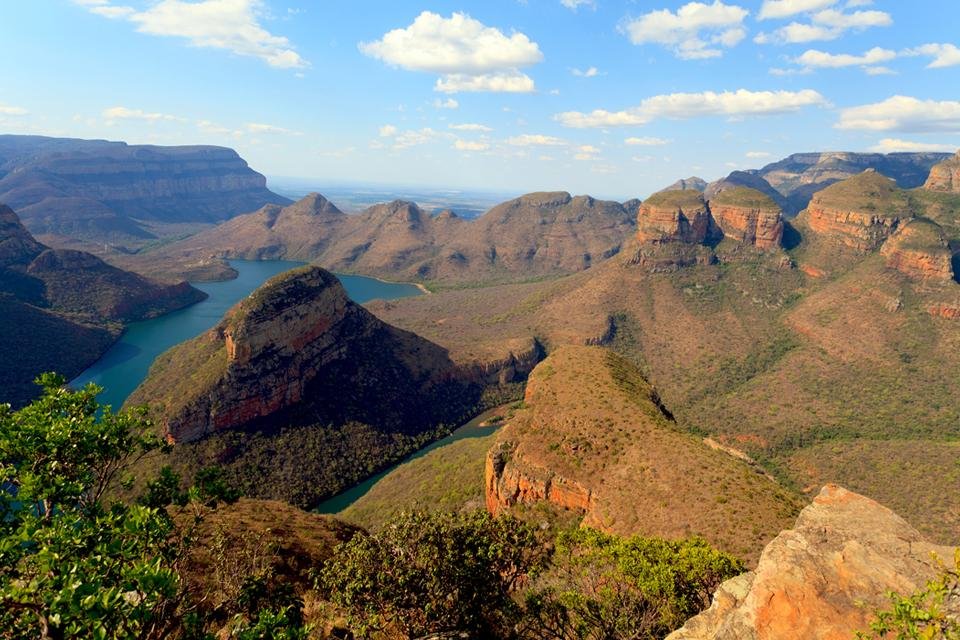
(824, 578)
(945, 176)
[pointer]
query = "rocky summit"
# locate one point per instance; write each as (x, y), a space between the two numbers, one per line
(920, 250)
(824, 578)
(945, 176)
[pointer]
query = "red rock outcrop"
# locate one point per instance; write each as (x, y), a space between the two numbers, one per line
(946, 310)
(945, 176)
(860, 212)
(680, 215)
(920, 251)
(748, 217)
(823, 579)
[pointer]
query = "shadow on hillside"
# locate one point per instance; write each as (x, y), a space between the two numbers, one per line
(791, 237)
(956, 267)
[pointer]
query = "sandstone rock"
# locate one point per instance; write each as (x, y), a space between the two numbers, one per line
(748, 217)
(945, 176)
(919, 250)
(675, 216)
(749, 180)
(860, 212)
(823, 579)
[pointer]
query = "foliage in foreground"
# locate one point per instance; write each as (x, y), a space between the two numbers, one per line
(74, 564)
(932, 613)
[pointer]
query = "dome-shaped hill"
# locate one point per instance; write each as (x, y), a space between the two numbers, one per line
(945, 176)
(859, 212)
(743, 197)
(676, 198)
(919, 250)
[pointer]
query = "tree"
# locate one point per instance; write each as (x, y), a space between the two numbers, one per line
(605, 587)
(74, 564)
(932, 613)
(435, 572)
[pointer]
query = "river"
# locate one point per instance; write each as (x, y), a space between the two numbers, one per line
(125, 365)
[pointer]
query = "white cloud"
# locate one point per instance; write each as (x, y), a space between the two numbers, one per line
(504, 82)
(575, 4)
(258, 127)
(813, 58)
(880, 71)
(535, 140)
(944, 55)
(8, 110)
(697, 30)
(828, 24)
(124, 113)
(469, 145)
(774, 9)
(758, 154)
(893, 145)
(388, 131)
(470, 126)
(692, 105)
(449, 103)
(233, 25)
(469, 55)
(585, 152)
(585, 73)
(903, 113)
(646, 142)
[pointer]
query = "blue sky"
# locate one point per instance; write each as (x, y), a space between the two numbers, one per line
(611, 98)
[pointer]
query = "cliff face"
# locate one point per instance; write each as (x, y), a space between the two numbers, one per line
(919, 250)
(860, 212)
(748, 216)
(824, 578)
(945, 176)
(594, 439)
(280, 348)
(675, 216)
(97, 190)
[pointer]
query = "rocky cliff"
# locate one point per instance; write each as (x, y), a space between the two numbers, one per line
(595, 440)
(300, 374)
(677, 215)
(945, 176)
(859, 212)
(824, 578)
(749, 180)
(99, 190)
(919, 250)
(748, 217)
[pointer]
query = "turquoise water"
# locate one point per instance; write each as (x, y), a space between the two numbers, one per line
(125, 365)
(472, 429)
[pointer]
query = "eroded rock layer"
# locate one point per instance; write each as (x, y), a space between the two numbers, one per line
(824, 578)
(920, 250)
(945, 176)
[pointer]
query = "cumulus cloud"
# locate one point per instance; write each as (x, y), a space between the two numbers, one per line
(814, 59)
(388, 131)
(893, 145)
(468, 55)
(775, 9)
(828, 24)
(758, 154)
(904, 114)
(125, 113)
(944, 55)
(471, 126)
(469, 145)
(692, 105)
(409, 138)
(449, 103)
(585, 152)
(646, 142)
(535, 140)
(258, 127)
(233, 25)
(697, 30)
(586, 73)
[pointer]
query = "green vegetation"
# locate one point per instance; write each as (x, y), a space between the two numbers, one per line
(744, 197)
(928, 614)
(676, 198)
